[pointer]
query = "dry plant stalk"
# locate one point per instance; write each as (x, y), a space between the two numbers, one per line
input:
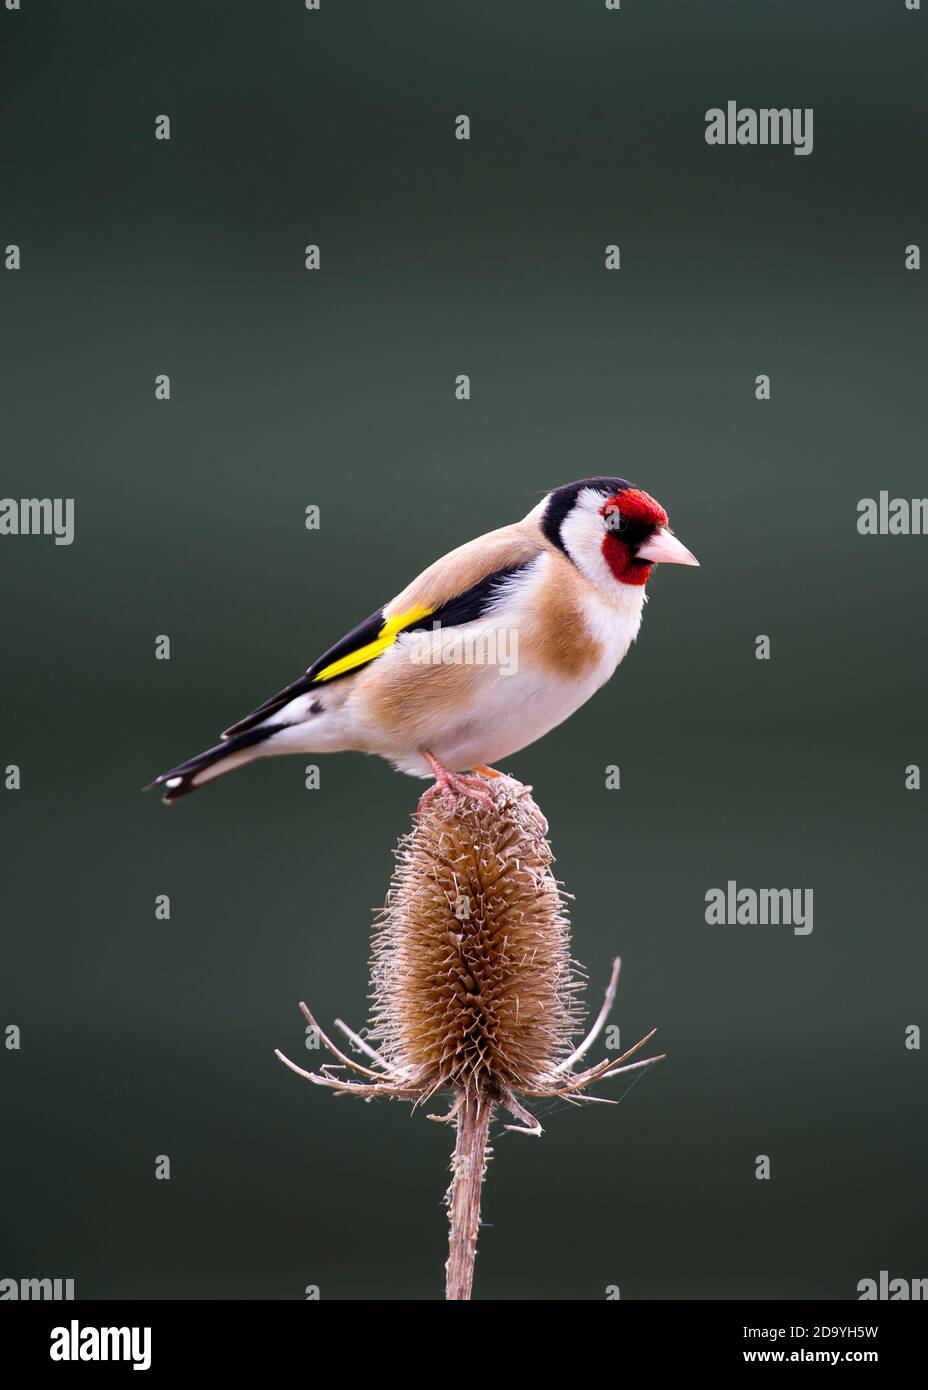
(474, 990)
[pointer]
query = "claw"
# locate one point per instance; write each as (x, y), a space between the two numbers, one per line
(455, 784)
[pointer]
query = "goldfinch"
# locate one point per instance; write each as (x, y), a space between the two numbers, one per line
(488, 649)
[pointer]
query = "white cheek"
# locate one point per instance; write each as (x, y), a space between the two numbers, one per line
(583, 533)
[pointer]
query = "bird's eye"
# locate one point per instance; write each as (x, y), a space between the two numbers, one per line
(616, 522)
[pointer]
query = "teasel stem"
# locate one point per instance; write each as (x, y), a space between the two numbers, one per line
(468, 1166)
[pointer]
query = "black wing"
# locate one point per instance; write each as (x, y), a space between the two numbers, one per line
(354, 640)
(464, 608)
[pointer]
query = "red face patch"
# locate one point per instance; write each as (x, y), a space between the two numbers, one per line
(637, 506)
(639, 509)
(626, 568)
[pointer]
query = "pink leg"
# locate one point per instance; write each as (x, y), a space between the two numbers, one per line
(454, 783)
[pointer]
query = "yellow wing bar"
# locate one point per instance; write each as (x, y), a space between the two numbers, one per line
(384, 639)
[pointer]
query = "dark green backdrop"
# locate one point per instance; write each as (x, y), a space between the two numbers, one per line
(142, 1037)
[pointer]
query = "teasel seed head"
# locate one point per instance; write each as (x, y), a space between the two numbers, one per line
(474, 987)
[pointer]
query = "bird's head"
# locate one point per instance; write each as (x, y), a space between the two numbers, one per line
(613, 532)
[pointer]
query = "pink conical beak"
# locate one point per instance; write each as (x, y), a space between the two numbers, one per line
(663, 548)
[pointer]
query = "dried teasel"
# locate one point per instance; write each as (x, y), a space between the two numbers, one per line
(474, 989)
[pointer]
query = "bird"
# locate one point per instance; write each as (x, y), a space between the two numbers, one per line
(486, 651)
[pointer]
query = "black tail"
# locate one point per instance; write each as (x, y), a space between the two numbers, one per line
(186, 777)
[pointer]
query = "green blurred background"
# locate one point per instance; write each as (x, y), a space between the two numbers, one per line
(336, 388)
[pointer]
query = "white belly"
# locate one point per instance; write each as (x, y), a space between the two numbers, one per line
(510, 714)
(506, 711)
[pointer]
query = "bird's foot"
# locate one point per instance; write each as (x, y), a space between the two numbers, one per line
(454, 784)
